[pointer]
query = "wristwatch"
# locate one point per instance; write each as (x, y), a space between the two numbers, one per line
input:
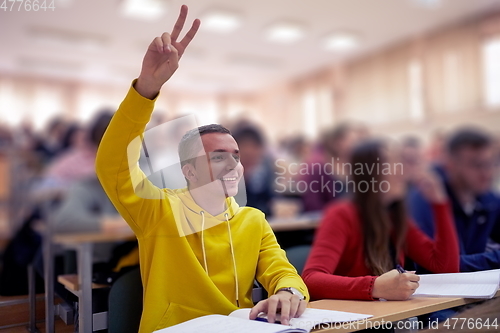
(293, 291)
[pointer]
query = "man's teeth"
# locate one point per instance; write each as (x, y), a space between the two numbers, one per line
(229, 179)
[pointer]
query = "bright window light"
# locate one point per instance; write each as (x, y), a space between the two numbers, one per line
(285, 33)
(220, 21)
(309, 109)
(416, 90)
(491, 72)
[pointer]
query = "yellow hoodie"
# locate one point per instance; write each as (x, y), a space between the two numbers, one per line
(185, 277)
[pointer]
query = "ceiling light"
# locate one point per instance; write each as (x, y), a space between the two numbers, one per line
(285, 32)
(428, 3)
(144, 9)
(221, 21)
(341, 41)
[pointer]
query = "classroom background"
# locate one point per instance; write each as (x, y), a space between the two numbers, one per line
(294, 81)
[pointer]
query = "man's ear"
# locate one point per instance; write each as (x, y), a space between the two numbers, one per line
(189, 172)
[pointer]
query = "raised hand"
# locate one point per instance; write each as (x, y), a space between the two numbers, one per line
(162, 57)
(432, 188)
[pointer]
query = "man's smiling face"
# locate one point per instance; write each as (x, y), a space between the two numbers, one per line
(218, 168)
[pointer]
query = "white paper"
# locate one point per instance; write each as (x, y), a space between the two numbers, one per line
(225, 324)
(482, 284)
(312, 317)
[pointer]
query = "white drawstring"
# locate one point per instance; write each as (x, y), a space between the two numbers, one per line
(203, 241)
(234, 261)
(202, 213)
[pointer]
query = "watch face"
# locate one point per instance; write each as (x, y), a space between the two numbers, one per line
(296, 292)
(293, 291)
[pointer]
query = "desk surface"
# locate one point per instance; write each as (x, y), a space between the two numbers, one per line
(119, 234)
(119, 230)
(295, 223)
(391, 310)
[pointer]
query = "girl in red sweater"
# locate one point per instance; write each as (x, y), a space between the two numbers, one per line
(360, 241)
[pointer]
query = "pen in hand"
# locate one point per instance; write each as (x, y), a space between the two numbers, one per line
(400, 269)
(264, 319)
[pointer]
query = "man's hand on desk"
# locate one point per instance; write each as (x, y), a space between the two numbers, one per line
(289, 305)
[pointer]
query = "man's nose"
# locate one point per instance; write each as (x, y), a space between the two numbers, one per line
(231, 164)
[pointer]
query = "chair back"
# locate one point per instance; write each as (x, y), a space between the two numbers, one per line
(297, 255)
(125, 303)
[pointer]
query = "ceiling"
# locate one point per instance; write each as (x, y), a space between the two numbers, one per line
(242, 60)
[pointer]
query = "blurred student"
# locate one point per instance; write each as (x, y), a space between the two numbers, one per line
(436, 148)
(326, 184)
(49, 145)
(83, 209)
(467, 172)
(78, 161)
(360, 241)
(496, 182)
(259, 169)
(412, 157)
(199, 251)
(76, 164)
(75, 136)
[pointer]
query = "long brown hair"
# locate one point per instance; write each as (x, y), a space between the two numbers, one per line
(380, 223)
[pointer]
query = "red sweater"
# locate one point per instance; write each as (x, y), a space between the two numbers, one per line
(336, 267)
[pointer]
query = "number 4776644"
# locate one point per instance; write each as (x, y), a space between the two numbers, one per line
(27, 5)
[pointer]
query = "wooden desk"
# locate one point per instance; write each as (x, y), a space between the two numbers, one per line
(298, 223)
(389, 311)
(83, 244)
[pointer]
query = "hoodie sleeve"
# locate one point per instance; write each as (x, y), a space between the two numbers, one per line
(330, 245)
(274, 271)
(137, 200)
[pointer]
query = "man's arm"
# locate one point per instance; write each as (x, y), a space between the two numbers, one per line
(480, 261)
(275, 272)
(116, 163)
(486, 260)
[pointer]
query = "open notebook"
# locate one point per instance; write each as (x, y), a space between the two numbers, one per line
(238, 321)
(482, 284)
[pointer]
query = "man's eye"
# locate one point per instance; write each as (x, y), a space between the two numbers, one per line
(217, 158)
(236, 158)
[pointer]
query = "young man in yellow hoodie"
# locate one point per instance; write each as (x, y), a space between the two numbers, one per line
(199, 251)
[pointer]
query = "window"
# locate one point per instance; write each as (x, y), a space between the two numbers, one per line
(491, 74)
(416, 90)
